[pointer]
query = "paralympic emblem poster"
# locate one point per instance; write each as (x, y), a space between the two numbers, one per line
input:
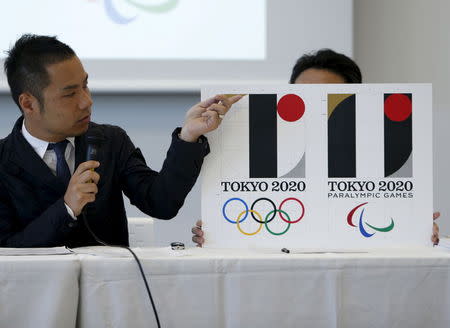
(320, 167)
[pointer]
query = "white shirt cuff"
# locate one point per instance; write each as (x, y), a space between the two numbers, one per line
(69, 210)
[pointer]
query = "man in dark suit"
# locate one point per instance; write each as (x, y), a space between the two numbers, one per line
(46, 186)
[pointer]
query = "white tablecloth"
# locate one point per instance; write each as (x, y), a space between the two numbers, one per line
(39, 291)
(212, 288)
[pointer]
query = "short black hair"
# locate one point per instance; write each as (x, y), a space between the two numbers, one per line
(27, 61)
(330, 60)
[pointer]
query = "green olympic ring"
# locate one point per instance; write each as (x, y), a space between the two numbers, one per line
(277, 233)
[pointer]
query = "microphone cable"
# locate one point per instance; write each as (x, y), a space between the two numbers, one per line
(94, 140)
(98, 240)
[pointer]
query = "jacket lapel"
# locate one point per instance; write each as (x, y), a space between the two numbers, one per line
(23, 157)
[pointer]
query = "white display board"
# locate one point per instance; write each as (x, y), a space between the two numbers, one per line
(320, 166)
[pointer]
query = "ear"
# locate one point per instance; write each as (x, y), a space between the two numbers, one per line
(28, 103)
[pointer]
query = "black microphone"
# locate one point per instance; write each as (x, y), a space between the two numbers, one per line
(94, 140)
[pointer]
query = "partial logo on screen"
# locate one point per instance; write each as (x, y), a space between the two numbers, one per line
(366, 229)
(237, 216)
(150, 6)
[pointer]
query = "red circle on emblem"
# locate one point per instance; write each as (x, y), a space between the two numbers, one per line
(291, 107)
(398, 107)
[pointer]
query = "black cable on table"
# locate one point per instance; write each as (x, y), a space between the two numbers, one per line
(98, 240)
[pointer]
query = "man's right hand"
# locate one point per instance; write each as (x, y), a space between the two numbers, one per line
(82, 186)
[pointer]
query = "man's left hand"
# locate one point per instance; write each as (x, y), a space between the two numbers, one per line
(206, 116)
(435, 235)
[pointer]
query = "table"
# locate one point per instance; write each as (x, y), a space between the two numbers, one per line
(245, 288)
(39, 291)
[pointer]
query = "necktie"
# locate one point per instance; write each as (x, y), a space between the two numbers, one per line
(62, 169)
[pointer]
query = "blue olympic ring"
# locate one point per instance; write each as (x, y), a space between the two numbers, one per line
(225, 214)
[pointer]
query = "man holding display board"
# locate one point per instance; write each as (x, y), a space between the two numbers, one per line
(323, 67)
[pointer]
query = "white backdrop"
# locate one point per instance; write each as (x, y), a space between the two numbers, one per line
(127, 31)
(195, 42)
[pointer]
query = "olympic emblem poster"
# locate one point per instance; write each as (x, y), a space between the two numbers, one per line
(320, 167)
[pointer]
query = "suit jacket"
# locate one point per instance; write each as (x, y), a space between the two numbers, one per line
(32, 210)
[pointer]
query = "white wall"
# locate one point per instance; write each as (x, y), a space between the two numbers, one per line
(409, 41)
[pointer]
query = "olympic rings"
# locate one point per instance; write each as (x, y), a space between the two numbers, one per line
(268, 218)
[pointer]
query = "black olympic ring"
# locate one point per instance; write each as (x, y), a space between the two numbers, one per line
(274, 210)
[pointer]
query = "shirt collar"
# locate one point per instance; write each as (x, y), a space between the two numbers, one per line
(40, 146)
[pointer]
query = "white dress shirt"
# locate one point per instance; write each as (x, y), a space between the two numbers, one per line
(49, 156)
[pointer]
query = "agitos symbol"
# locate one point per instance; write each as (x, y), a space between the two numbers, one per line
(363, 231)
(242, 216)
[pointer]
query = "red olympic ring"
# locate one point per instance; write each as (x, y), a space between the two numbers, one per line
(301, 204)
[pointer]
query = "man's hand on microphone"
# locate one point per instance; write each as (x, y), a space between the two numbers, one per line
(82, 186)
(206, 116)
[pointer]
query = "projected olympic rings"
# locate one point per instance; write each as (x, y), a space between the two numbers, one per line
(242, 216)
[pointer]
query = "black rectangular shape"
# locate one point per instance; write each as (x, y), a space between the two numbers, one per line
(263, 135)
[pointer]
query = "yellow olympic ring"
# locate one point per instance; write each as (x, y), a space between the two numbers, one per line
(249, 233)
